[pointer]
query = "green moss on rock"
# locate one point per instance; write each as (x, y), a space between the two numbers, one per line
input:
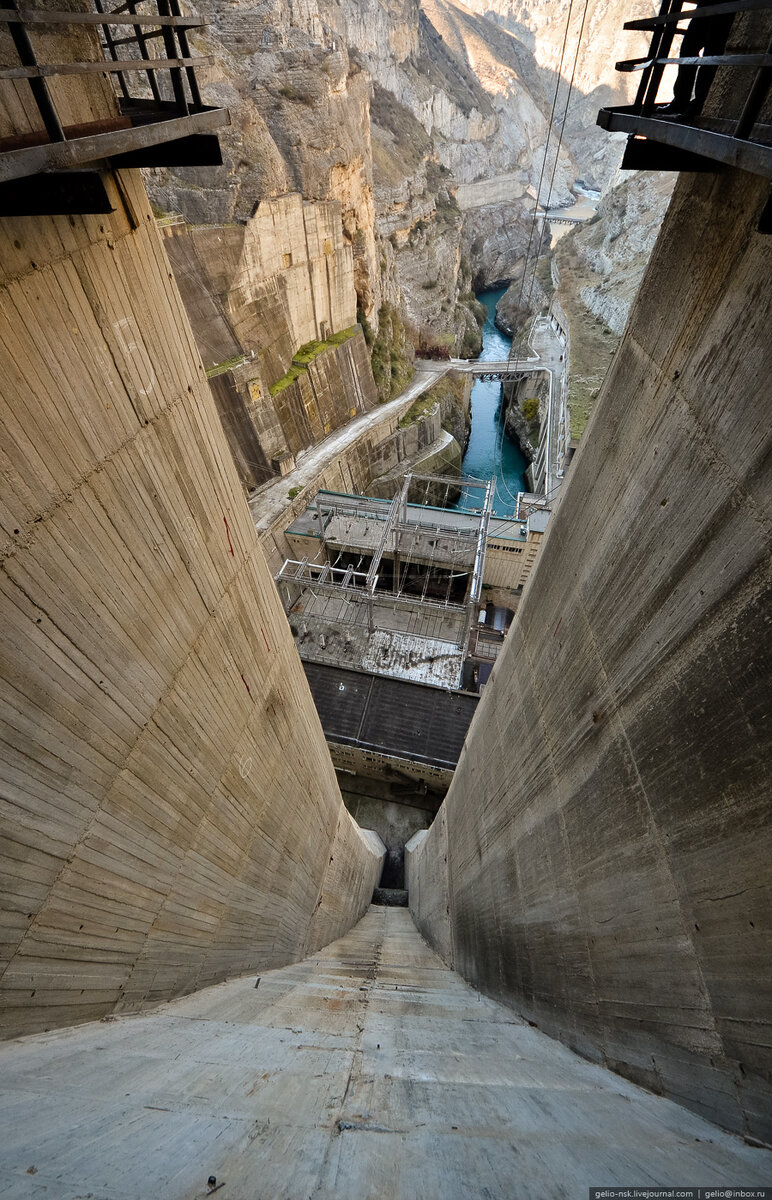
(306, 354)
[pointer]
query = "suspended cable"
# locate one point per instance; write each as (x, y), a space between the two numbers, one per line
(544, 161)
(515, 348)
(563, 122)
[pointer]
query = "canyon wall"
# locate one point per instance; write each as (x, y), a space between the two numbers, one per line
(608, 825)
(387, 109)
(541, 26)
(273, 309)
(596, 270)
(170, 811)
(427, 124)
(593, 274)
(283, 278)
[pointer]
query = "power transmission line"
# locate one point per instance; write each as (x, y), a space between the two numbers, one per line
(514, 348)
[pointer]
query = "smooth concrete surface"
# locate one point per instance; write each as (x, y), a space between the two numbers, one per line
(368, 1072)
(609, 839)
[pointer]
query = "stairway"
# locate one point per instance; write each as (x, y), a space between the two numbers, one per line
(366, 1071)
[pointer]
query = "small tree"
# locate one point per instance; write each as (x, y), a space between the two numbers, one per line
(530, 408)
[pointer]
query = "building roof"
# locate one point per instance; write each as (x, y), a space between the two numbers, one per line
(388, 716)
(374, 508)
(538, 521)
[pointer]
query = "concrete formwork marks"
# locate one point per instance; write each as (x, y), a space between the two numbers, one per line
(609, 839)
(169, 803)
(368, 1070)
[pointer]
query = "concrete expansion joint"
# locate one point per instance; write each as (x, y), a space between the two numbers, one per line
(23, 539)
(102, 238)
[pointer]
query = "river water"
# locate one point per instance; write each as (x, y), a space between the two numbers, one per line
(489, 455)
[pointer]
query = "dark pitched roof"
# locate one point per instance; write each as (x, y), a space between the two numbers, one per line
(391, 716)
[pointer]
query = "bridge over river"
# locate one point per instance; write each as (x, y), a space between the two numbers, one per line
(547, 341)
(504, 370)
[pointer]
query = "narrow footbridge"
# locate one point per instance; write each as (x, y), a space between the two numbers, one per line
(559, 218)
(505, 370)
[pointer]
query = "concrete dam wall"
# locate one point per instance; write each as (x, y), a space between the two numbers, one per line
(171, 815)
(608, 833)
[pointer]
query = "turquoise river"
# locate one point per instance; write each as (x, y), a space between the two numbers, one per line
(491, 454)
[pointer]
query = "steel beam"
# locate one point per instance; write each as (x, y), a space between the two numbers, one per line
(372, 574)
(641, 154)
(197, 150)
(57, 193)
(754, 157)
(58, 156)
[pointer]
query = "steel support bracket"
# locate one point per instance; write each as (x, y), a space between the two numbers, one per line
(641, 154)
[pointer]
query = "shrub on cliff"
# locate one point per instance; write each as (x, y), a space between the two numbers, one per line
(288, 92)
(391, 358)
(530, 408)
(367, 328)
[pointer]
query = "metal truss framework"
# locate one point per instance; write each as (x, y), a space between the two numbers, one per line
(158, 117)
(407, 538)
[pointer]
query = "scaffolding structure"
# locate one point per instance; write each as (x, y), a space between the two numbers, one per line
(435, 540)
(433, 537)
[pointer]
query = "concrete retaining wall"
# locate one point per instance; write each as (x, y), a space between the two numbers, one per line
(255, 294)
(283, 279)
(337, 386)
(426, 879)
(353, 872)
(171, 813)
(609, 832)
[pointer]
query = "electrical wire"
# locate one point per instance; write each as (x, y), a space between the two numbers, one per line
(515, 347)
(499, 446)
(550, 127)
(563, 122)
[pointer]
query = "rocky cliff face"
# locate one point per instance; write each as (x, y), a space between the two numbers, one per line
(479, 122)
(299, 123)
(540, 25)
(426, 122)
(597, 269)
(420, 224)
(616, 246)
(525, 409)
(593, 273)
(386, 107)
